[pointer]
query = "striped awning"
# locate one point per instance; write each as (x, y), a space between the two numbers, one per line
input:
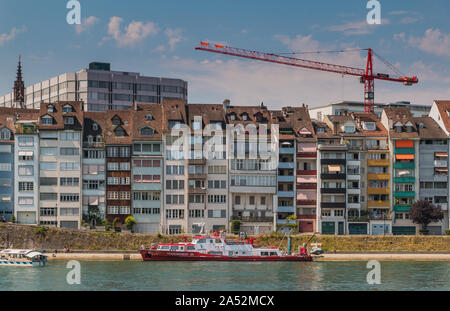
(334, 168)
(441, 154)
(441, 169)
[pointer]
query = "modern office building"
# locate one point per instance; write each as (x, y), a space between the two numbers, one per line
(100, 89)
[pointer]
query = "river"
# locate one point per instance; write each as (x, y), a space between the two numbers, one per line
(202, 276)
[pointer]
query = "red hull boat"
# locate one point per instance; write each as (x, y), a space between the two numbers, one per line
(217, 248)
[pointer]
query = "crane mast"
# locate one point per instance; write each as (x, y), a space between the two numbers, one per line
(366, 75)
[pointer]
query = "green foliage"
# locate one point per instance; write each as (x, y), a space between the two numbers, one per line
(41, 231)
(130, 222)
(447, 231)
(13, 219)
(235, 226)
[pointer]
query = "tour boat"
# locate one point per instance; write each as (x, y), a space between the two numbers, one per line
(22, 258)
(217, 248)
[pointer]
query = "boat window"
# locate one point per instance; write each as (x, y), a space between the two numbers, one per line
(264, 253)
(202, 241)
(273, 254)
(191, 247)
(215, 253)
(165, 247)
(218, 241)
(211, 241)
(174, 248)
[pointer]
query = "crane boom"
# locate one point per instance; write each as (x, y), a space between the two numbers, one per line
(366, 75)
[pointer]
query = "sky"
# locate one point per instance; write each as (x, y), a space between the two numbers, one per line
(157, 38)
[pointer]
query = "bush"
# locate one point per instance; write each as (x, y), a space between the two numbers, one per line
(41, 230)
(235, 226)
(447, 231)
(13, 219)
(130, 222)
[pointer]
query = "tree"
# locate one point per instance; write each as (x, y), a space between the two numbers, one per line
(235, 226)
(423, 212)
(130, 222)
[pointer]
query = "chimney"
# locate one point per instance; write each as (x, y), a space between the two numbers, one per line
(335, 128)
(226, 104)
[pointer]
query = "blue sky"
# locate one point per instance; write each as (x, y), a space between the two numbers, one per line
(157, 38)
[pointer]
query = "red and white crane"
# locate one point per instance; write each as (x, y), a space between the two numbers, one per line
(366, 75)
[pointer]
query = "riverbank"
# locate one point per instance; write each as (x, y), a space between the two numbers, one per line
(50, 239)
(127, 256)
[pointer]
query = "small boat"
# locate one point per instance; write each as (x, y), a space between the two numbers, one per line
(217, 248)
(22, 258)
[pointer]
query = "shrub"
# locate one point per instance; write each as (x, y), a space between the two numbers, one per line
(13, 219)
(235, 226)
(447, 231)
(130, 222)
(41, 230)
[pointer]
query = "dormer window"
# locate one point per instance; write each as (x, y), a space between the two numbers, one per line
(69, 121)
(67, 108)
(51, 108)
(95, 127)
(196, 125)
(90, 139)
(232, 117)
(174, 124)
(47, 120)
(409, 127)
(149, 117)
(245, 117)
(421, 125)
(147, 131)
(5, 134)
(116, 120)
(320, 130)
(99, 138)
(119, 132)
(369, 126)
(349, 129)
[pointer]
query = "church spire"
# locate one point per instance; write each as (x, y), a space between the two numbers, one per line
(19, 86)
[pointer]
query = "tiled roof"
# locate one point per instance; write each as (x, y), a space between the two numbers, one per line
(380, 130)
(402, 115)
(429, 129)
(444, 110)
(58, 115)
(150, 115)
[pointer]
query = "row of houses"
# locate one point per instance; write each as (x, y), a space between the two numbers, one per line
(351, 173)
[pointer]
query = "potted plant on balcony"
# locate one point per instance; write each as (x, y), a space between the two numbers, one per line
(423, 212)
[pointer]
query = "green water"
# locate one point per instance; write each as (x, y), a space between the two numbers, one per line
(127, 275)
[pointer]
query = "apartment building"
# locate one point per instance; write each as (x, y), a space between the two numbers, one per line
(433, 169)
(440, 113)
(60, 131)
(100, 89)
(286, 170)
(7, 131)
(331, 196)
(26, 168)
(253, 173)
(404, 148)
(94, 168)
(147, 168)
(376, 205)
(207, 184)
(118, 142)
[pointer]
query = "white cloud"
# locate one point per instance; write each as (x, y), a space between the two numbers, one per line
(433, 42)
(86, 24)
(134, 33)
(400, 36)
(174, 36)
(410, 19)
(357, 28)
(299, 42)
(5, 37)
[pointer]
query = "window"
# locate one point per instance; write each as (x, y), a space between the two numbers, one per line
(70, 136)
(119, 132)
(48, 166)
(69, 121)
(26, 141)
(5, 134)
(26, 186)
(47, 120)
(5, 167)
(69, 181)
(69, 166)
(147, 131)
(216, 198)
(252, 200)
(349, 129)
(26, 170)
(94, 126)
(69, 197)
(48, 181)
(26, 200)
(48, 151)
(51, 108)
(48, 196)
(149, 117)
(237, 200)
(67, 108)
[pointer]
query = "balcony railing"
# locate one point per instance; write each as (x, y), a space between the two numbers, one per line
(286, 165)
(404, 194)
(287, 150)
(196, 191)
(333, 175)
(306, 186)
(311, 155)
(286, 222)
(358, 218)
(26, 128)
(196, 176)
(378, 176)
(286, 194)
(306, 202)
(378, 204)
(332, 190)
(372, 190)
(197, 161)
(309, 216)
(252, 219)
(440, 163)
(378, 162)
(307, 172)
(286, 209)
(332, 205)
(282, 178)
(93, 144)
(333, 161)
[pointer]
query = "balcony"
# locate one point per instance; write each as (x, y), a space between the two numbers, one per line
(402, 208)
(440, 177)
(307, 172)
(287, 151)
(286, 222)
(380, 216)
(405, 151)
(196, 191)
(306, 216)
(332, 190)
(252, 219)
(26, 128)
(440, 163)
(333, 176)
(333, 161)
(378, 176)
(307, 155)
(94, 144)
(307, 148)
(378, 162)
(286, 209)
(378, 190)
(197, 161)
(404, 165)
(404, 194)
(286, 178)
(286, 194)
(404, 180)
(379, 204)
(196, 176)
(332, 205)
(304, 186)
(362, 218)
(306, 202)
(286, 165)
